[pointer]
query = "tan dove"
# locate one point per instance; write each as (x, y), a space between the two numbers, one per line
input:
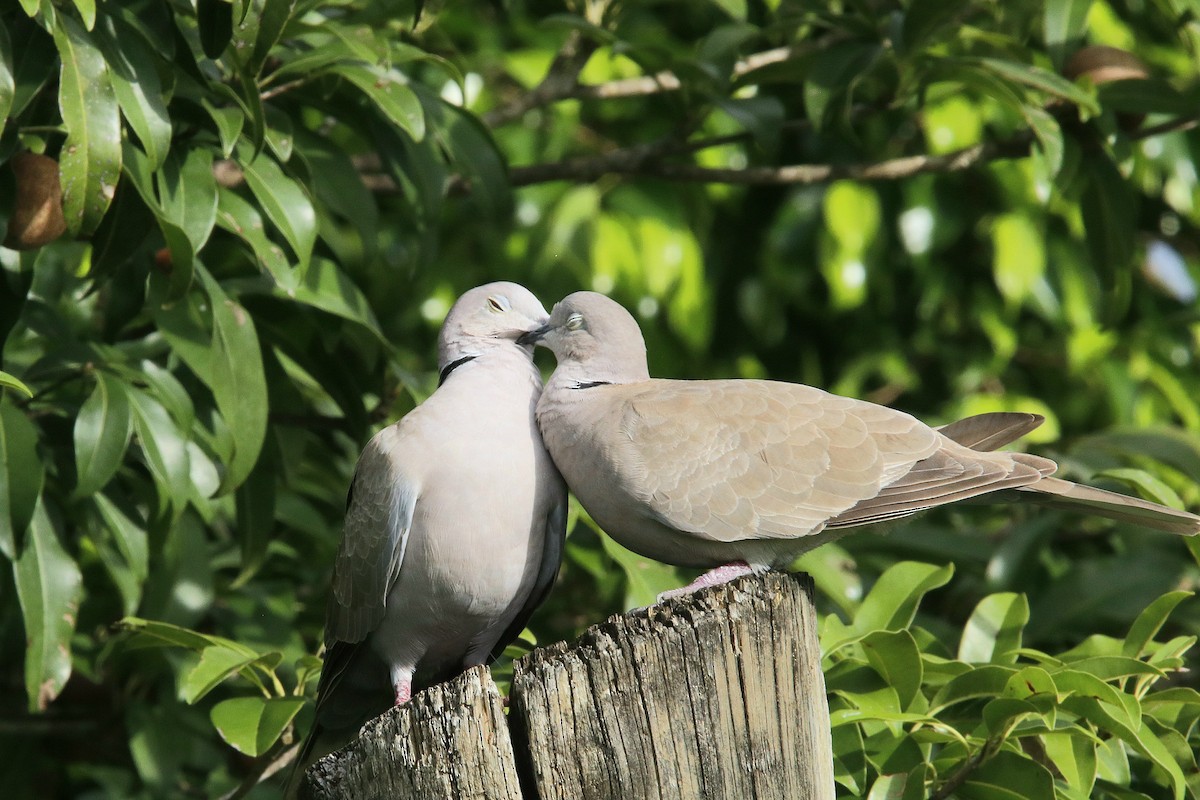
(454, 527)
(750, 474)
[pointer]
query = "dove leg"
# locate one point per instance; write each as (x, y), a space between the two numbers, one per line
(403, 691)
(714, 577)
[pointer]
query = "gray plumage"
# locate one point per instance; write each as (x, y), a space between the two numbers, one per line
(704, 473)
(454, 526)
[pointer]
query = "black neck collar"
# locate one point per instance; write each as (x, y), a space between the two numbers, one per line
(453, 365)
(591, 384)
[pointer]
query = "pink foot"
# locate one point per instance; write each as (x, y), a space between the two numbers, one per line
(403, 691)
(714, 577)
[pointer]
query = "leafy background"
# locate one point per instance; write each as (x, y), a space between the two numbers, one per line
(270, 204)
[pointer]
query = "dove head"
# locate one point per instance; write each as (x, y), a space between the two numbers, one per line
(594, 340)
(486, 317)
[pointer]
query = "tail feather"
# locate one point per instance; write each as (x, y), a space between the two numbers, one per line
(1059, 493)
(992, 430)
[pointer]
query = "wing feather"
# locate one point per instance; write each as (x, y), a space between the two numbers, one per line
(730, 460)
(378, 522)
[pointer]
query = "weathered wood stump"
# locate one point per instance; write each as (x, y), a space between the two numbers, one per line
(450, 740)
(715, 695)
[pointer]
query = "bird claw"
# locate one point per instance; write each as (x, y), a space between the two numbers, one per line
(714, 577)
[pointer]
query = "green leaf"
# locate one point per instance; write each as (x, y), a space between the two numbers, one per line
(187, 191)
(11, 382)
(214, 19)
(49, 586)
(1049, 137)
(993, 632)
(21, 474)
(238, 383)
(899, 786)
(923, 18)
(217, 663)
(893, 600)
(1146, 96)
(1074, 756)
(87, 10)
(91, 157)
(271, 17)
(897, 659)
(252, 724)
(182, 264)
(1180, 449)
(164, 445)
(137, 86)
(833, 74)
(242, 219)
(1030, 681)
(328, 288)
(849, 758)
(1147, 485)
(645, 579)
(1133, 732)
(102, 431)
(131, 542)
(256, 515)
(1109, 209)
(985, 681)
(285, 203)
(8, 83)
(1063, 25)
(389, 90)
(1002, 714)
(1008, 776)
(228, 121)
(1042, 80)
(154, 633)
(1150, 621)
(473, 152)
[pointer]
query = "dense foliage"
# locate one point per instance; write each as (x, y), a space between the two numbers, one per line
(268, 205)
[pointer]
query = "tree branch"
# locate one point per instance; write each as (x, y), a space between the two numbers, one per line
(561, 80)
(637, 161)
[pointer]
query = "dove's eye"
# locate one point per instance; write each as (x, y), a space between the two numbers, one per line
(574, 322)
(498, 303)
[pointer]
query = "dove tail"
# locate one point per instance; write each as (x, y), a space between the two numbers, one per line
(1059, 493)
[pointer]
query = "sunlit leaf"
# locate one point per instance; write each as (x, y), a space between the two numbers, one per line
(164, 446)
(216, 664)
(242, 219)
(285, 203)
(91, 156)
(252, 724)
(12, 382)
(136, 83)
(1063, 25)
(994, 629)
(1150, 621)
(8, 86)
(893, 600)
(390, 92)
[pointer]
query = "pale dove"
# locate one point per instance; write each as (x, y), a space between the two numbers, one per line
(750, 474)
(454, 526)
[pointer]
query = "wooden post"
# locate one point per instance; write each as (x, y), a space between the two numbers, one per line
(715, 695)
(449, 741)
